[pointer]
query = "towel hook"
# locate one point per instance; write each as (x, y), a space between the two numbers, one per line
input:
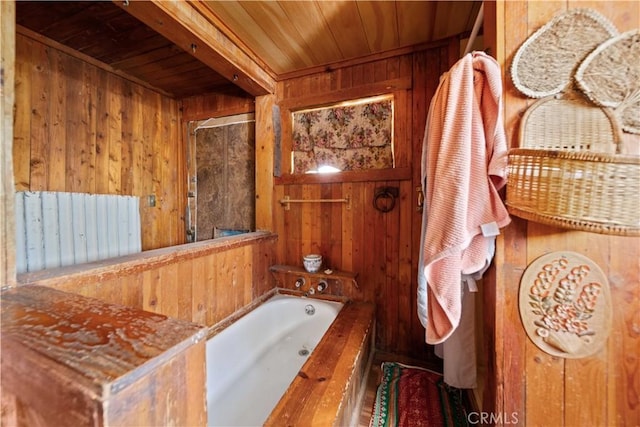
(420, 201)
(384, 198)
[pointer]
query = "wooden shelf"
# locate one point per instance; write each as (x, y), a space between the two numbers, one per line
(334, 275)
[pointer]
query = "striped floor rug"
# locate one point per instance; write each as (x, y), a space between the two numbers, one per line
(415, 397)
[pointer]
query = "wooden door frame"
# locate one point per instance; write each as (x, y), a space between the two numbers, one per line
(7, 89)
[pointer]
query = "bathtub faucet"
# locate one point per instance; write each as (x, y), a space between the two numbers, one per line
(300, 282)
(322, 286)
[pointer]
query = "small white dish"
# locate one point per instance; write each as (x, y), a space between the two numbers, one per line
(312, 262)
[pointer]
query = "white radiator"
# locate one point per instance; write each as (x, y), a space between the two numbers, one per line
(56, 229)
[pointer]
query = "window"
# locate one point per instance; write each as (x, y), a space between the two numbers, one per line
(350, 136)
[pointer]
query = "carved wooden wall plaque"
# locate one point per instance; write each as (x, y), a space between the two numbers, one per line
(565, 304)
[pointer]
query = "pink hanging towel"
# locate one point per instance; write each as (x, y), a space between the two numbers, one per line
(464, 165)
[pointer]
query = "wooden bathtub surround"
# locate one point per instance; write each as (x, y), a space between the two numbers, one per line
(72, 360)
(201, 282)
(108, 268)
(286, 276)
(329, 388)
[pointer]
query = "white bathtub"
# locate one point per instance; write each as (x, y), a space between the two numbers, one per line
(251, 363)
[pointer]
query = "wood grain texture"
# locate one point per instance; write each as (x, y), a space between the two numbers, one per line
(71, 326)
(203, 282)
(182, 25)
(505, 386)
(72, 359)
(103, 32)
(291, 37)
(8, 85)
(541, 389)
(82, 129)
(205, 106)
(381, 247)
(328, 384)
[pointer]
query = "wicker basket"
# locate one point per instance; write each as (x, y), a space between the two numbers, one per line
(587, 191)
(569, 122)
(568, 171)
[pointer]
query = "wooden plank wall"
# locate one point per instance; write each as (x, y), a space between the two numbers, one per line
(202, 282)
(542, 390)
(381, 247)
(202, 107)
(7, 223)
(79, 128)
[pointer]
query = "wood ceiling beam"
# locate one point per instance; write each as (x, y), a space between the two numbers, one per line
(181, 23)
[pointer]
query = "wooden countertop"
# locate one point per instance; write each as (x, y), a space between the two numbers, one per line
(99, 346)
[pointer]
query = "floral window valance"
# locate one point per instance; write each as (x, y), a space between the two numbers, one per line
(344, 137)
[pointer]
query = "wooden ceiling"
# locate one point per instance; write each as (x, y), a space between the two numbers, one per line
(290, 36)
(280, 38)
(110, 35)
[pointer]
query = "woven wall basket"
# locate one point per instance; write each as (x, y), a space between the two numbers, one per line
(587, 191)
(568, 174)
(610, 77)
(544, 64)
(569, 123)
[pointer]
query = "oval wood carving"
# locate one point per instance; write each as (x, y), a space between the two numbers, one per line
(565, 305)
